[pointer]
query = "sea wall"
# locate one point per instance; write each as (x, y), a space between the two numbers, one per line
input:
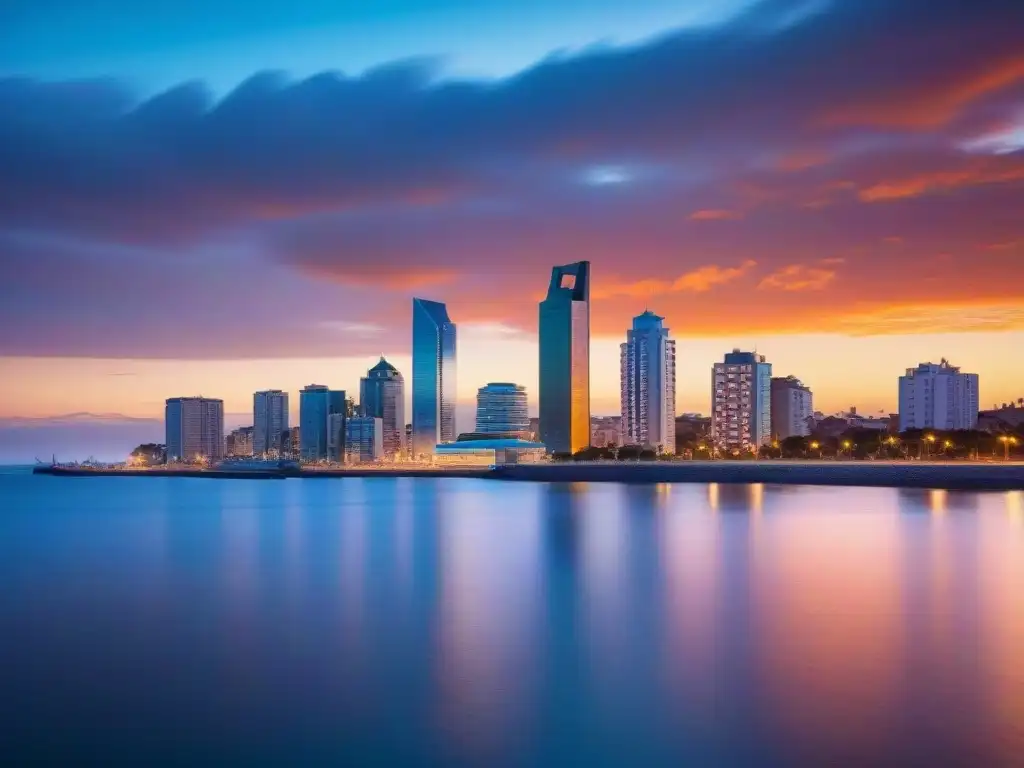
(948, 476)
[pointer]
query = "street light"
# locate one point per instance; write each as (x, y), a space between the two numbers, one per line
(816, 446)
(846, 445)
(1007, 441)
(929, 441)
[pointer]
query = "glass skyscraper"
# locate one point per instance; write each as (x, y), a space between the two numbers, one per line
(433, 376)
(565, 360)
(317, 404)
(382, 395)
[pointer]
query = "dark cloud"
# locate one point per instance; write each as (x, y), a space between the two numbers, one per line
(80, 155)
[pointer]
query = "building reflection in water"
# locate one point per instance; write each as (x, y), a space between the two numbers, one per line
(489, 619)
(828, 628)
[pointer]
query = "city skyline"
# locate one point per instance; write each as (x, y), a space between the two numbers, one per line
(838, 188)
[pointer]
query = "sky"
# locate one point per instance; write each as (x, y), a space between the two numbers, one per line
(218, 197)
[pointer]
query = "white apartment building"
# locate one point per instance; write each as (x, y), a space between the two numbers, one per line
(741, 412)
(938, 397)
(648, 384)
(792, 408)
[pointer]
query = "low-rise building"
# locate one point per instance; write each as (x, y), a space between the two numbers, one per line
(489, 452)
(364, 439)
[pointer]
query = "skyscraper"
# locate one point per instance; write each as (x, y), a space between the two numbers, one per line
(741, 414)
(269, 420)
(647, 364)
(382, 395)
(194, 429)
(938, 397)
(792, 408)
(565, 360)
(317, 404)
(501, 410)
(433, 376)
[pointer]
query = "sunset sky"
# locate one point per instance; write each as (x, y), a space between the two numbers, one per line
(221, 196)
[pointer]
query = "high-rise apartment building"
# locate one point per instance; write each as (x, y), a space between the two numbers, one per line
(565, 360)
(194, 429)
(364, 439)
(382, 395)
(938, 397)
(269, 421)
(317, 404)
(741, 413)
(501, 410)
(647, 367)
(433, 377)
(792, 408)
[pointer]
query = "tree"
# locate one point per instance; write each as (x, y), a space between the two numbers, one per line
(629, 453)
(149, 454)
(794, 447)
(592, 453)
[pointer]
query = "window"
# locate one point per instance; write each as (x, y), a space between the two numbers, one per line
(567, 281)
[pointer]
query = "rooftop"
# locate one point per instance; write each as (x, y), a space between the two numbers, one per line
(496, 444)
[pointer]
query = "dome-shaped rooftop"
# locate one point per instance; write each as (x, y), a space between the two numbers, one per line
(383, 367)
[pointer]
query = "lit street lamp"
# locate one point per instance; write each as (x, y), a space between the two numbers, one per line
(929, 440)
(816, 446)
(1007, 441)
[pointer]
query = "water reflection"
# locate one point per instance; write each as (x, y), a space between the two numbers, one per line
(467, 622)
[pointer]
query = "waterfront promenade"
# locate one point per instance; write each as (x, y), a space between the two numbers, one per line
(954, 475)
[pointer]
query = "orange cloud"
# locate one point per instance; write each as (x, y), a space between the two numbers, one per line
(707, 277)
(941, 181)
(699, 280)
(797, 277)
(713, 214)
(932, 108)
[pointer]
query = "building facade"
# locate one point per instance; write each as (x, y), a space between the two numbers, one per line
(382, 396)
(364, 439)
(792, 408)
(565, 360)
(317, 404)
(501, 410)
(194, 429)
(240, 442)
(269, 421)
(606, 431)
(741, 413)
(647, 376)
(433, 377)
(938, 397)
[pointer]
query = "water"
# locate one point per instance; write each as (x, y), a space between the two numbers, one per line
(409, 622)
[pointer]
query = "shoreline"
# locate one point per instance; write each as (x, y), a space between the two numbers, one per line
(952, 476)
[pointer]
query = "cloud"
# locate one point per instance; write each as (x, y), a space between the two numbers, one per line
(713, 214)
(190, 227)
(707, 277)
(798, 277)
(944, 181)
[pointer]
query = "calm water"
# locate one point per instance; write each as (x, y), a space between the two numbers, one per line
(403, 622)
